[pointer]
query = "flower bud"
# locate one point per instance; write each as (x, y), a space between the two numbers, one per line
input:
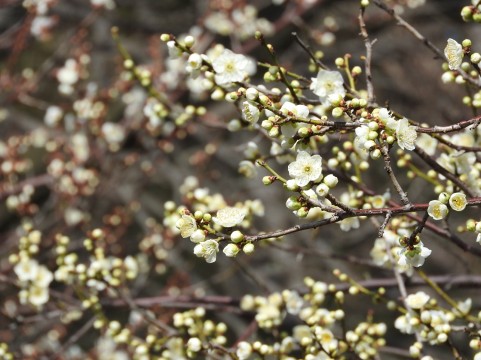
(231, 250)
(248, 248)
(236, 236)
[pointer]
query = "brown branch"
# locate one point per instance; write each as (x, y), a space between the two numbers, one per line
(390, 172)
(436, 166)
(230, 304)
(371, 98)
(451, 128)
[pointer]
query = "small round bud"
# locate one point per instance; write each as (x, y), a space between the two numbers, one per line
(337, 112)
(232, 97)
(236, 236)
(303, 132)
(302, 212)
(231, 250)
(331, 180)
(267, 180)
(165, 37)
(475, 58)
(339, 62)
(252, 93)
(467, 13)
(292, 203)
(128, 64)
(322, 190)
(443, 197)
(466, 43)
(376, 154)
(217, 95)
(472, 225)
(356, 70)
(291, 185)
(248, 248)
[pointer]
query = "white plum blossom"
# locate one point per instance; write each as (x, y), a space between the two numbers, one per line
(328, 85)
(326, 338)
(244, 350)
(250, 112)
(53, 115)
(427, 143)
(454, 53)
(26, 269)
(464, 307)
(230, 67)
(294, 302)
(67, 76)
(417, 300)
(362, 133)
(299, 111)
(38, 295)
(194, 344)
(403, 324)
(113, 133)
(193, 64)
(197, 236)
(414, 257)
(186, 225)
(208, 250)
(406, 135)
(437, 210)
(247, 168)
(229, 216)
(38, 278)
(349, 223)
(306, 168)
(458, 201)
(386, 117)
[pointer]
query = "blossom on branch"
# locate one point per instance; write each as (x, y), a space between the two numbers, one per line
(329, 86)
(306, 168)
(437, 210)
(458, 201)
(406, 135)
(186, 225)
(229, 216)
(208, 250)
(415, 256)
(454, 53)
(230, 67)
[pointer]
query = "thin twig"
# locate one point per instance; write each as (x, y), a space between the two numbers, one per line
(384, 224)
(451, 128)
(390, 172)
(371, 98)
(440, 169)
(74, 338)
(308, 50)
(434, 49)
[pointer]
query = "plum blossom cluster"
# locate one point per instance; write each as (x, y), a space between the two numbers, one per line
(315, 335)
(101, 175)
(428, 320)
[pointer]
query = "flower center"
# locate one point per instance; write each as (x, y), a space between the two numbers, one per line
(230, 66)
(307, 169)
